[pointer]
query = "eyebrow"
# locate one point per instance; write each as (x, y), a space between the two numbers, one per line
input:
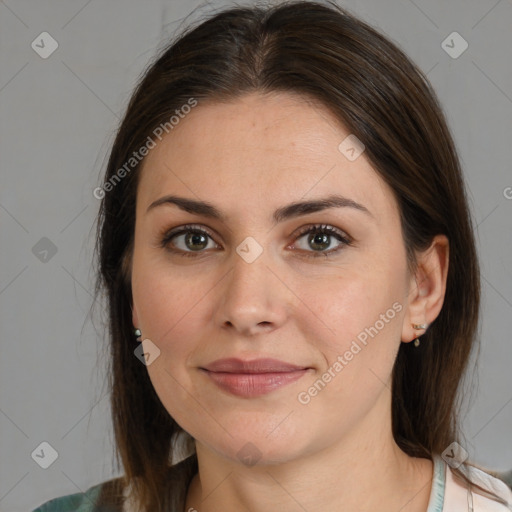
(286, 212)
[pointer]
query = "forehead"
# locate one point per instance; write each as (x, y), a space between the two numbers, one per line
(256, 150)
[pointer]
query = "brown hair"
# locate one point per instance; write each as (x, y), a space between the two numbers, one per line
(325, 53)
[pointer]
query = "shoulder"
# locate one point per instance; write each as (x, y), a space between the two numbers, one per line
(494, 485)
(78, 502)
(457, 496)
(88, 501)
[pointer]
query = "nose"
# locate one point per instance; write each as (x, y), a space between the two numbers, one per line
(252, 299)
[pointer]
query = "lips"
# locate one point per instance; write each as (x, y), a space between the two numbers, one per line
(254, 378)
(234, 365)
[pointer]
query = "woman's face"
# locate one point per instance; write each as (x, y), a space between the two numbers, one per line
(256, 285)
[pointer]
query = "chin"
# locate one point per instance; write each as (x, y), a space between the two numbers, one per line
(254, 448)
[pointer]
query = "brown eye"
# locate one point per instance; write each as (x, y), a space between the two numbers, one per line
(319, 238)
(195, 241)
(188, 240)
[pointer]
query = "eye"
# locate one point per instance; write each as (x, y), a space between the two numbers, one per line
(188, 240)
(319, 238)
(192, 241)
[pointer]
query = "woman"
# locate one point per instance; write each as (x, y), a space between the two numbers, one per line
(291, 274)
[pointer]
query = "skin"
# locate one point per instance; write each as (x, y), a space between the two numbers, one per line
(248, 158)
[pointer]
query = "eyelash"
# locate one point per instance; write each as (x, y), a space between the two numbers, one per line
(313, 229)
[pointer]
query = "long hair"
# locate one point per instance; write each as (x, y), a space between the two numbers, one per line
(323, 52)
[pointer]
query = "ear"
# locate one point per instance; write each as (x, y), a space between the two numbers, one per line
(427, 288)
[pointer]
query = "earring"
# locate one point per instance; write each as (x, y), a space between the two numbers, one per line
(418, 327)
(137, 334)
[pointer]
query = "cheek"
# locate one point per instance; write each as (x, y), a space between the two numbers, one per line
(357, 357)
(165, 310)
(169, 307)
(354, 305)
(166, 300)
(355, 323)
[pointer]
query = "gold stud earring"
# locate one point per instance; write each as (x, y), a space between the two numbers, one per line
(418, 327)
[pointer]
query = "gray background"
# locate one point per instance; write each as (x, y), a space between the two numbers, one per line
(57, 119)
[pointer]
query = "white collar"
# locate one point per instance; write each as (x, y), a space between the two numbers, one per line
(450, 494)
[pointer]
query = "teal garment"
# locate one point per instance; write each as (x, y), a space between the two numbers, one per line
(79, 502)
(85, 502)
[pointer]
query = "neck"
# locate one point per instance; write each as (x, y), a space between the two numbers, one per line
(365, 470)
